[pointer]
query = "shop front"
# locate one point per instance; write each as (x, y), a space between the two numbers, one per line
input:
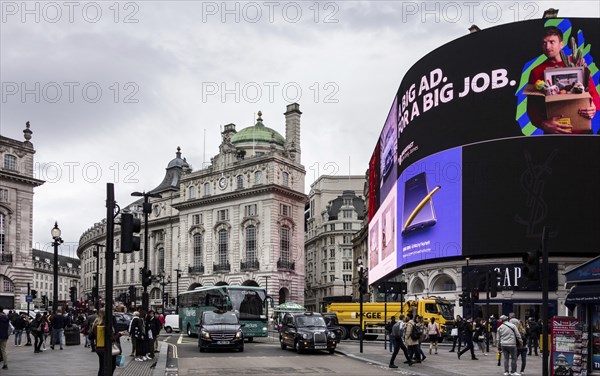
(583, 301)
(518, 295)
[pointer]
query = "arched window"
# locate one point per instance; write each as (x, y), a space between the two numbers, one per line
(207, 189)
(197, 251)
(223, 247)
(444, 283)
(192, 192)
(418, 286)
(284, 244)
(239, 181)
(250, 243)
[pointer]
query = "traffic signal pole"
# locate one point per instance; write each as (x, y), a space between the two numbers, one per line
(546, 321)
(109, 257)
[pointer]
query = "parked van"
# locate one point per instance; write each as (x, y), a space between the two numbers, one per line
(171, 323)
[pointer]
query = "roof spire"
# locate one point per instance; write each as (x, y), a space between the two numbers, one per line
(178, 154)
(259, 120)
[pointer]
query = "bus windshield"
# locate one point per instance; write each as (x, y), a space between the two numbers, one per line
(446, 310)
(249, 303)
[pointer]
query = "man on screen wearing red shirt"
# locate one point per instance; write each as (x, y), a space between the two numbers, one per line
(552, 44)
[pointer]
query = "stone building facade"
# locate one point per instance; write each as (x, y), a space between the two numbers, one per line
(238, 221)
(16, 218)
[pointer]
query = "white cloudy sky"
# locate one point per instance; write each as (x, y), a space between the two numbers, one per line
(163, 68)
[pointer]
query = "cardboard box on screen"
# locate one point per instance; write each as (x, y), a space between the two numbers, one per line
(565, 105)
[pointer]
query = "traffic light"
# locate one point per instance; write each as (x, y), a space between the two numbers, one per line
(464, 299)
(363, 283)
(132, 296)
(531, 269)
(73, 293)
(475, 295)
(146, 277)
(173, 301)
(44, 300)
(166, 297)
(33, 294)
(495, 279)
(130, 228)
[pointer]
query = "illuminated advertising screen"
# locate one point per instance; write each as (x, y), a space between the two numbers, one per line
(382, 238)
(388, 142)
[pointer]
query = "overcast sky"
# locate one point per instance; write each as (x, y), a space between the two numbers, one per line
(111, 89)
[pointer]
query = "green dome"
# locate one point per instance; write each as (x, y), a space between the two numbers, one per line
(258, 133)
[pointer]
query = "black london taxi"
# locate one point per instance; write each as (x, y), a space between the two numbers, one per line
(220, 330)
(331, 320)
(306, 331)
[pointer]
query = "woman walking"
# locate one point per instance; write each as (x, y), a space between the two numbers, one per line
(101, 351)
(37, 327)
(433, 330)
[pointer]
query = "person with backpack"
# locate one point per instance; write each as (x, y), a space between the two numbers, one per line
(19, 325)
(397, 333)
(467, 335)
(412, 336)
(421, 330)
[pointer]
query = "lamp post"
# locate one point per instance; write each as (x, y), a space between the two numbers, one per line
(361, 286)
(266, 299)
(178, 271)
(147, 209)
(97, 293)
(164, 284)
(55, 232)
(403, 290)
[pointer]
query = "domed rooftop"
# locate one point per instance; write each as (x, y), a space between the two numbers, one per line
(177, 161)
(258, 133)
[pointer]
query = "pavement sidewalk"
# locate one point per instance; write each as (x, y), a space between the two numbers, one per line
(75, 360)
(444, 363)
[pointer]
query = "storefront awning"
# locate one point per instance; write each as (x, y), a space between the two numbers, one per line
(583, 294)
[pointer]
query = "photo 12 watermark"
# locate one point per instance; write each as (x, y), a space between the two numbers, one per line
(69, 92)
(88, 172)
(270, 12)
(69, 12)
(254, 92)
(467, 11)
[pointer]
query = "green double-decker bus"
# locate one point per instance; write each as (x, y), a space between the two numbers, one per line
(249, 302)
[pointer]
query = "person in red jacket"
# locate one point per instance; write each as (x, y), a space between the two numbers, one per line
(552, 44)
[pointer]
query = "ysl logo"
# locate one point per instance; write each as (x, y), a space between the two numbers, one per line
(532, 181)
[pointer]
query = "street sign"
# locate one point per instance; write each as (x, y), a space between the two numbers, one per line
(28, 298)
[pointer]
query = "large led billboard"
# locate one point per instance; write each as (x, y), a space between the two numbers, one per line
(469, 179)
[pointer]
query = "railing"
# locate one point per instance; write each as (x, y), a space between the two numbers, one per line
(249, 265)
(286, 264)
(196, 269)
(6, 257)
(226, 267)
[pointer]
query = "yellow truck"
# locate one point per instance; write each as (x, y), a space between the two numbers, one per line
(373, 315)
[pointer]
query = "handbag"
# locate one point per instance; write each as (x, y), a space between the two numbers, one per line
(454, 332)
(120, 361)
(116, 350)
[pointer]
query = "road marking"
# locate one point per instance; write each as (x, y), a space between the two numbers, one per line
(180, 340)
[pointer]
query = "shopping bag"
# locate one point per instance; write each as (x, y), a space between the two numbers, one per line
(454, 332)
(120, 361)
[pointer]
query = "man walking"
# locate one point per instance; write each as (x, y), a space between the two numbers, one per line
(533, 333)
(508, 340)
(4, 333)
(388, 329)
(412, 337)
(58, 329)
(397, 333)
(467, 334)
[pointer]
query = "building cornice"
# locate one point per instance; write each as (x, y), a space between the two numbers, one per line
(229, 196)
(6, 174)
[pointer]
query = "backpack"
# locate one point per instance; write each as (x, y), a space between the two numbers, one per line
(416, 333)
(46, 329)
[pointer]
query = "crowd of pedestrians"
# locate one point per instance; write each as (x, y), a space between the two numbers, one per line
(143, 329)
(512, 337)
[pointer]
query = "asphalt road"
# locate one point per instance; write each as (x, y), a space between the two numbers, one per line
(263, 357)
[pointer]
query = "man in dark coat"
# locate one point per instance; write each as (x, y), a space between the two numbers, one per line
(4, 333)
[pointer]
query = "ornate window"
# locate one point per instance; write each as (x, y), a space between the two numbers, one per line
(285, 179)
(250, 243)
(2, 232)
(197, 250)
(284, 235)
(161, 258)
(258, 177)
(444, 283)
(192, 191)
(223, 247)
(207, 189)
(239, 181)
(10, 162)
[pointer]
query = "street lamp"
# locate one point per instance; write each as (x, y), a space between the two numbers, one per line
(361, 289)
(97, 276)
(147, 209)
(55, 232)
(266, 298)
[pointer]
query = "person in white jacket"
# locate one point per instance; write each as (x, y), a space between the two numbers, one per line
(508, 341)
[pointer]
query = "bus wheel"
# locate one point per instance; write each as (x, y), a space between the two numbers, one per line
(355, 333)
(168, 329)
(344, 332)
